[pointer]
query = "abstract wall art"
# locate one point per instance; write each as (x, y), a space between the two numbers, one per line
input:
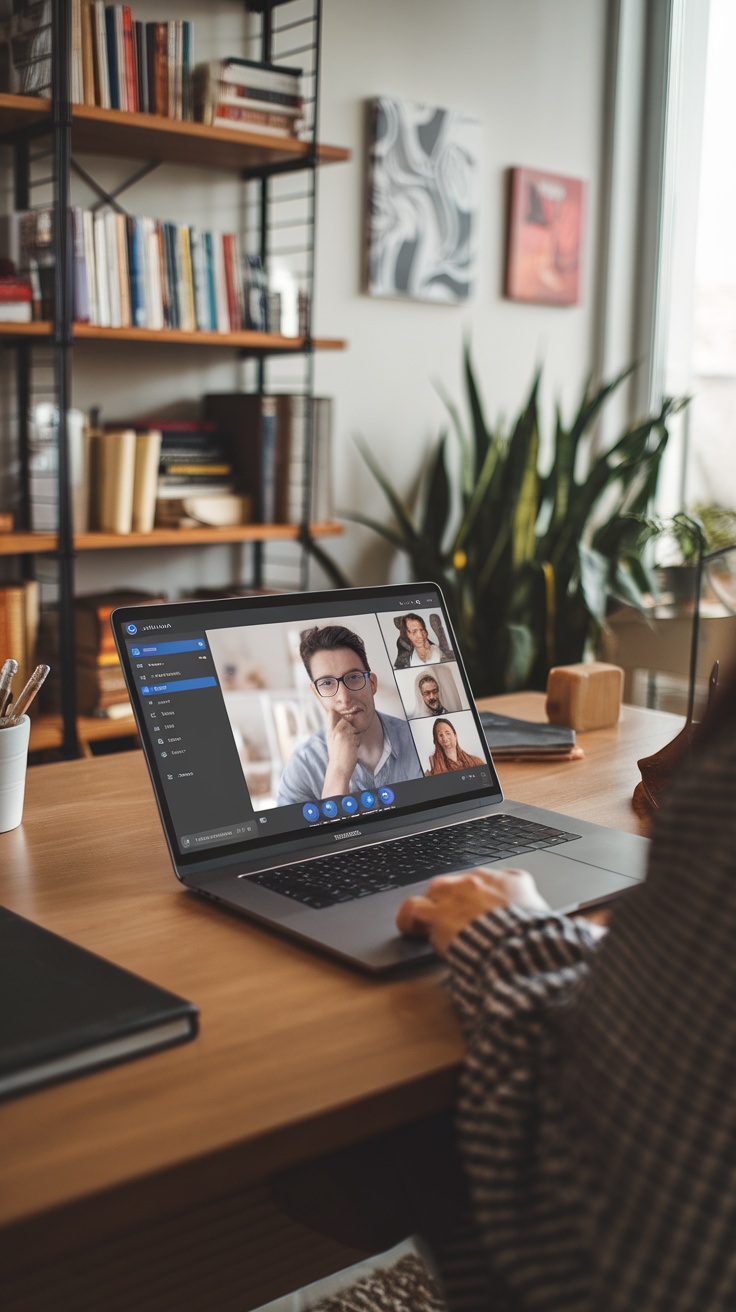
(544, 238)
(422, 202)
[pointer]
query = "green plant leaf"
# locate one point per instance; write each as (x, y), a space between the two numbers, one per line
(481, 435)
(594, 581)
(437, 498)
(331, 569)
(401, 511)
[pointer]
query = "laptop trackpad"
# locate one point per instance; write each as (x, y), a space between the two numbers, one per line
(567, 883)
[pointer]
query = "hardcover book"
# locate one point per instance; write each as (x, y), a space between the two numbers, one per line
(73, 1011)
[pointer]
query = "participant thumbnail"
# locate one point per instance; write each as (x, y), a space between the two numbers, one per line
(435, 691)
(448, 743)
(416, 638)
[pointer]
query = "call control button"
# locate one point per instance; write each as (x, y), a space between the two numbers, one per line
(310, 811)
(386, 795)
(349, 805)
(329, 808)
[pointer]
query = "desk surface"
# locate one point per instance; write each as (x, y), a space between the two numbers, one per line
(296, 1056)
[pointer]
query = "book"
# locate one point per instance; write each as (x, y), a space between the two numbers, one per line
(112, 476)
(74, 1011)
(102, 67)
(94, 639)
(112, 57)
(254, 120)
(269, 439)
(19, 627)
(88, 56)
(510, 738)
(145, 479)
(249, 422)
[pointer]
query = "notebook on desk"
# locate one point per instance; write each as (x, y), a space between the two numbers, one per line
(316, 756)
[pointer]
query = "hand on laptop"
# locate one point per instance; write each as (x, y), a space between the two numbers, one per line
(451, 902)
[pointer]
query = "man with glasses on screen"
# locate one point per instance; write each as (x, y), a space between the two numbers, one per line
(357, 749)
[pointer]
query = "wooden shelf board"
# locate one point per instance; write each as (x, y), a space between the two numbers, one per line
(149, 136)
(19, 544)
(169, 140)
(177, 537)
(242, 340)
(22, 111)
(37, 328)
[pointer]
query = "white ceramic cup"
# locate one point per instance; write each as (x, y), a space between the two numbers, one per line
(13, 761)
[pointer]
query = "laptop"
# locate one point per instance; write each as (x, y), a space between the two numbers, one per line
(317, 757)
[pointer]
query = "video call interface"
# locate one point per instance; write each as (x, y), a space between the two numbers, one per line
(276, 726)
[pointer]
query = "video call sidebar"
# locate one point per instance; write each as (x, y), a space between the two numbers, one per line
(191, 742)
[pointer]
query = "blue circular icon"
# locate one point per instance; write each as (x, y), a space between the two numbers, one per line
(310, 812)
(200, 643)
(131, 628)
(135, 651)
(386, 796)
(368, 800)
(349, 805)
(329, 808)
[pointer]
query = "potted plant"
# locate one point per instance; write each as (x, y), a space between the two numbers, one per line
(704, 527)
(528, 559)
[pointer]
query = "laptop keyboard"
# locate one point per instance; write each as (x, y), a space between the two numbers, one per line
(381, 866)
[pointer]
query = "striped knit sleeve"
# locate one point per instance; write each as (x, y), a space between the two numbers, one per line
(510, 959)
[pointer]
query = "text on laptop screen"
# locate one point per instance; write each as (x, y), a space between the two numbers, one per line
(268, 719)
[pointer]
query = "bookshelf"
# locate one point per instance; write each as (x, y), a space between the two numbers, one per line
(253, 158)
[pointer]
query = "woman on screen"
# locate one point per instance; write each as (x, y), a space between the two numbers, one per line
(448, 754)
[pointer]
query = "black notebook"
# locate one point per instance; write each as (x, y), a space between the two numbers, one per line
(66, 1010)
(509, 737)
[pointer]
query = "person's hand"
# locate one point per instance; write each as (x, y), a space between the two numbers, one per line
(452, 901)
(342, 753)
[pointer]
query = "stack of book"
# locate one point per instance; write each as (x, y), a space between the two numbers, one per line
(19, 616)
(239, 93)
(195, 465)
(269, 441)
(100, 683)
(135, 271)
(15, 299)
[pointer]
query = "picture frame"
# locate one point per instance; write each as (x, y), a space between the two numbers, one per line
(545, 231)
(422, 211)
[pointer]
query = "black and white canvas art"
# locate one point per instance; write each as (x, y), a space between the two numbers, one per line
(423, 200)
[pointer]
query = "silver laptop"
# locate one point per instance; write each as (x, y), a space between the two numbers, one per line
(317, 756)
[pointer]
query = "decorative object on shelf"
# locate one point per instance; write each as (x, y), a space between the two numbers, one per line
(544, 237)
(27, 59)
(528, 559)
(423, 199)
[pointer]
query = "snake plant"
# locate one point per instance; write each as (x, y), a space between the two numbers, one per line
(528, 559)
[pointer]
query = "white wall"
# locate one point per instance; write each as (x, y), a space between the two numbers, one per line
(533, 72)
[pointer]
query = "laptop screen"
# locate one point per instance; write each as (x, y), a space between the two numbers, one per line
(269, 718)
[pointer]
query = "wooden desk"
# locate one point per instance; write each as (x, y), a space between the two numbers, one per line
(156, 1170)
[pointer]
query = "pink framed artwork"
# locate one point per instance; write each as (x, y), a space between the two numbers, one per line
(544, 240)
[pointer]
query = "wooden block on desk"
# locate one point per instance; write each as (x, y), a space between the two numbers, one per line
(586, 696)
